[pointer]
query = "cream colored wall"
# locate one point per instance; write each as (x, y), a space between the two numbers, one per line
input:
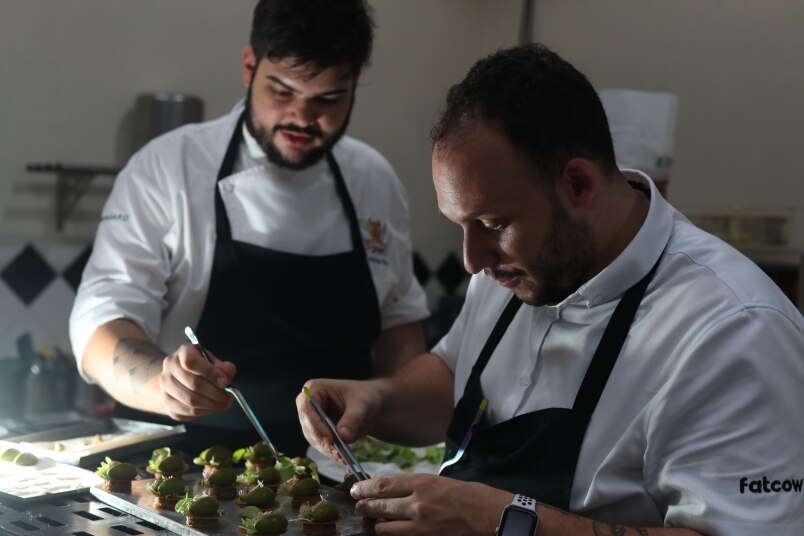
(70, 73)
(738, 68)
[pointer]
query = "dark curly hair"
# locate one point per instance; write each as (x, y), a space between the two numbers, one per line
(546, 107)
(315, 33)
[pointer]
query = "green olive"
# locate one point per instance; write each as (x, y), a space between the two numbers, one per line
(204, 507)
(260, 496)
(307, 462)
(25, 458)
(271, 523)
(172, 487)
(348, 481)
(222, 477)
(324, 512)
(216, 455)
(262, 450)
(269, 475)
(122, 471)
(9, 454)
(304, 488)
(170, 464)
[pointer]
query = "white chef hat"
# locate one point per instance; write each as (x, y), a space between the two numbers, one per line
(642, 127)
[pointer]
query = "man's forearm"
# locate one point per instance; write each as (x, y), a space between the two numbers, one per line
(556, 522)
(135, 363)
(125, 363)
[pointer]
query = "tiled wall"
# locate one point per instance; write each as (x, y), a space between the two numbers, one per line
(38, 280)
(37, 286)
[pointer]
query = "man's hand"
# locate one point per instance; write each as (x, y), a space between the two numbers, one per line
(191, 386)
(352, 405)
(417, 504)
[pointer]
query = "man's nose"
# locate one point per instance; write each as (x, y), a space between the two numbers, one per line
(304, 112)
(478, 251)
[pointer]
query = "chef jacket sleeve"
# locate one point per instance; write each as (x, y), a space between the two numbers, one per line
(126, 275)
(725, 441)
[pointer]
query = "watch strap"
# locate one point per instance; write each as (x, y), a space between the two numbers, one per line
(524, 502)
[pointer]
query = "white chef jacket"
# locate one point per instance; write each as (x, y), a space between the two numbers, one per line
(706, 397)
(153, 252)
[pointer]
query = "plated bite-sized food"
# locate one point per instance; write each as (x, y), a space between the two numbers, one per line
(221, 484)
(303, 491)
(214, 458)
(11, 454)
(258, 456)
(164, 464)
(255, 521)
(268, 477)
(345, 487)
(167, 492)
(259, 496)
(201, 511)
(117, 475)
(8, 454)
(319, 519)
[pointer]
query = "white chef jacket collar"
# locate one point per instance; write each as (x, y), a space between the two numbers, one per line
(636, 259)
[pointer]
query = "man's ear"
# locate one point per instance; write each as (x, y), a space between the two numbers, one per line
(578, 183)
(248, 66)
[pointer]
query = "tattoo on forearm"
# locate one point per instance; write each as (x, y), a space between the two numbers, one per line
(136, 360)
(599, 528)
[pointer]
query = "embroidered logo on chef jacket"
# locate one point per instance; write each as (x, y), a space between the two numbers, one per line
(375, 239)
(114, 217)
(766, 485)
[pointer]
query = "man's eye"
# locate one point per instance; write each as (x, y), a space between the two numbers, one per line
(281, 94)
(328, 99)
(492, 226)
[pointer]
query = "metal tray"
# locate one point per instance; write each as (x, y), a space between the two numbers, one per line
(86, 444)
(139, 503)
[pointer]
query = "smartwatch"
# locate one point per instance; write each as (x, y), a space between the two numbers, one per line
(519, 518)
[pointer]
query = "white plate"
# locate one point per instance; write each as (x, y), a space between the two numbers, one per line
(46, 479)
(335, 471)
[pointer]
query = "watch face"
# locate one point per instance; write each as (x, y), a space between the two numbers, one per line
(517, 522)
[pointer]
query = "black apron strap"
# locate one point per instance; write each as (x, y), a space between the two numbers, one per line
(464, 415)
(222, 226)
(346, 200)
(597, 375)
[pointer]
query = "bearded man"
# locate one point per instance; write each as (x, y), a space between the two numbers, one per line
(252, 228)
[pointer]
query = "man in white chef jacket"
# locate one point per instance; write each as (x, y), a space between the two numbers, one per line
(614, 370)
(281, 241)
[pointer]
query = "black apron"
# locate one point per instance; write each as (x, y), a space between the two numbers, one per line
(282, 318)
(535, 454)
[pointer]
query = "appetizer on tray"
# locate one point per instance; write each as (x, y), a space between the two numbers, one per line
(201, 511)
(117, 475)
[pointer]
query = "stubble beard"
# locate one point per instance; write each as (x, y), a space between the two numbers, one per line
(264, 138)
(562, 265)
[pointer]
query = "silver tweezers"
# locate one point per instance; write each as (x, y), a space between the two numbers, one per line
(341, 446)
(235, 392)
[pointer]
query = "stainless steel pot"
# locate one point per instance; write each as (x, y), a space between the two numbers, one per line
(162, 111)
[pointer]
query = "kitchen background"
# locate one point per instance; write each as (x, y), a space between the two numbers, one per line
(71, 74)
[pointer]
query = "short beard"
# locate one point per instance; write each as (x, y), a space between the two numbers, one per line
(562, 265)
(265, 138)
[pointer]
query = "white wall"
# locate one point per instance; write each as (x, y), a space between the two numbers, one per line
(70, 73)
(738, 68)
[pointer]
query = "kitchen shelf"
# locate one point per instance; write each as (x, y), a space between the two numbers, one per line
(72, 181)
